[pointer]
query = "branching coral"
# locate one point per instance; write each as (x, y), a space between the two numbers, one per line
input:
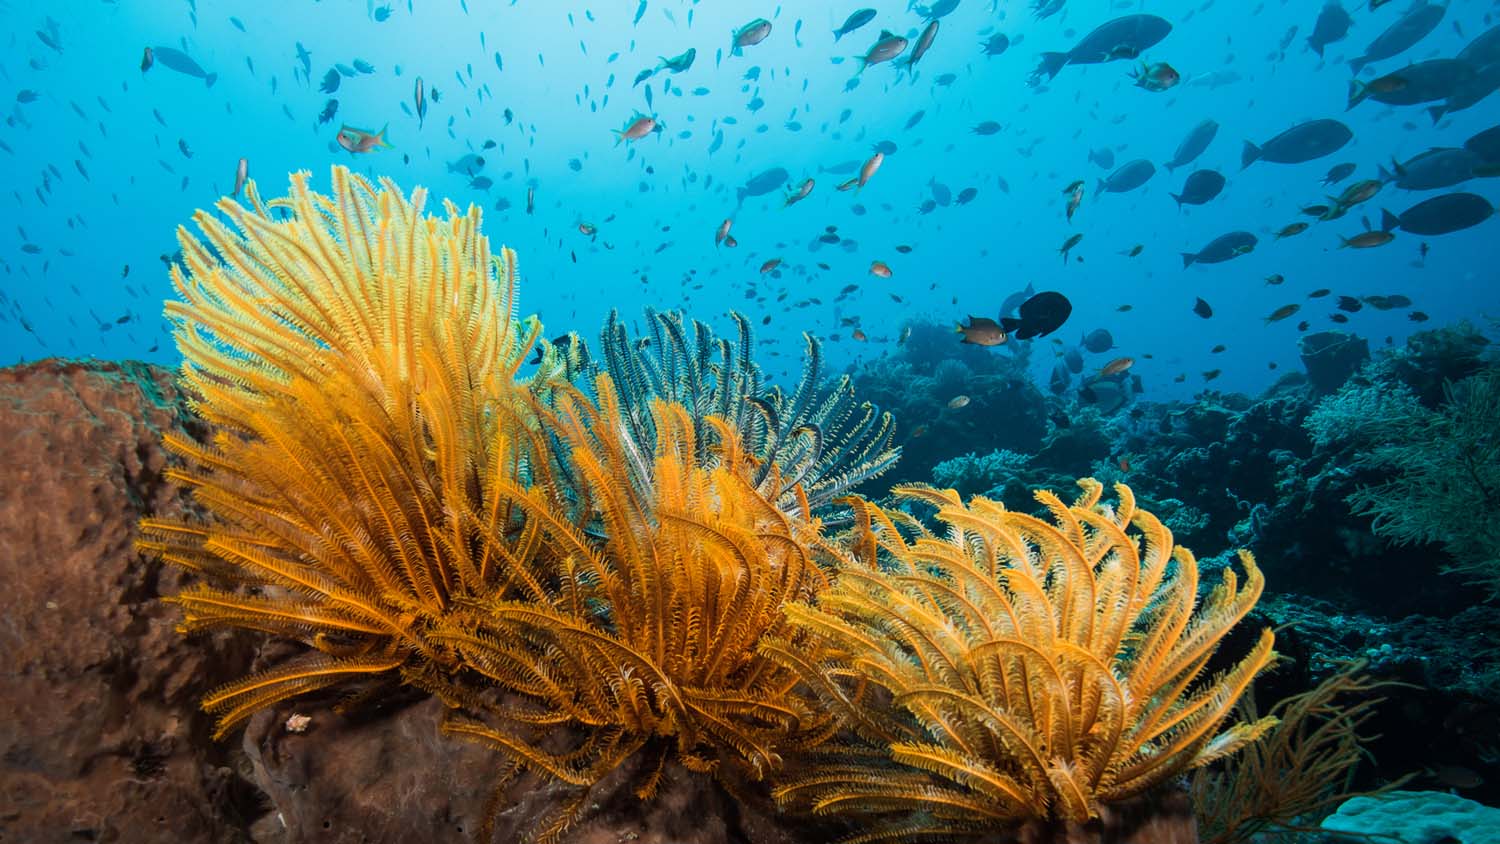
(1035, 669)
(817, 437)
(356, 360)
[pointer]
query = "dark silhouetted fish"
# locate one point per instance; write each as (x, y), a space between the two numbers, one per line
(1193, 145)
(853, 22)
(1485, 81)
(1423, 82)
(1122, 38)
(1333, 24)
(1221, 249)
(1200, 187)
(1444, 214)
(1038, 316)
(1129, 176)
(762, 183)
(1303, 142)
(1434, 169)
(1098, 341)
(1486, 145)
(1401, 35)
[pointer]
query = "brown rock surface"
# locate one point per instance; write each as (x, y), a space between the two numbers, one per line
(101, 737)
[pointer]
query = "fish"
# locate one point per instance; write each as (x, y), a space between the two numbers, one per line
(868, 169)
(880, 269)
(922, 45)
(958, 402)
(749, 35)
(1038, 316)
(331, 81)
(722, 232)
(1201, 187)
(1303, 142)
(241, 173)
(1202, 308)
(1367, 239)
(1075, 199)
(678, 63)
(1104, 157)
(796, 196)
(988, 127)
(1291, 229)
(1443, 214)
(940, 8)
(1469, 92)
(996, 44)
(1221, 249)
(419, 98)
(639, 127)
(147, 59)
(1332, 26)
(855, 20)
(1486, 145)
(1098, 341)
(361, 140)
(1401, 35)
(330, 108)
(1338, 172)
(468, 165)
(762, 183)
(981, 331)
(1156, 77)
(1282, 313)
(1068, 245)
(1116, 366)
(183, 63)
(1434, 169)
(1193, 145)
(1423, 82)
(1013, 301)
(1128, 177)
(1122, 38)
(888, 46)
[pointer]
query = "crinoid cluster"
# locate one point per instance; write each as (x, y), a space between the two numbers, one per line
(634, 567)
(818, 437)
(1032, 669)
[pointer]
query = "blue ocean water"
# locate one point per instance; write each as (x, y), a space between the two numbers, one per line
(103, 161)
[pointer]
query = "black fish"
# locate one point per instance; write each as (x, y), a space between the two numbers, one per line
(1303, 142)
(1444, 214)
(1201, 186)
(1201, 308)
(1333, 24)
(1121, 38)
(1221, 249)
(1039, 316)
(330, 108)
(1401, 35)
(330, 82)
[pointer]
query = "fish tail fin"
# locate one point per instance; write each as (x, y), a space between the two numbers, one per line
(1389, 221)
(1098, 189)
(1316, 48)
(1171, 166)
(1050, 64)
(1437, 112)
(1343, 242)
(739, 196)
(1249, 155)
(837, 34)
(1177, 197)
(1187, 259)
(1357, 93)
(1383, 174)
(210, 79)
(1358, 64)
(1009, 324)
